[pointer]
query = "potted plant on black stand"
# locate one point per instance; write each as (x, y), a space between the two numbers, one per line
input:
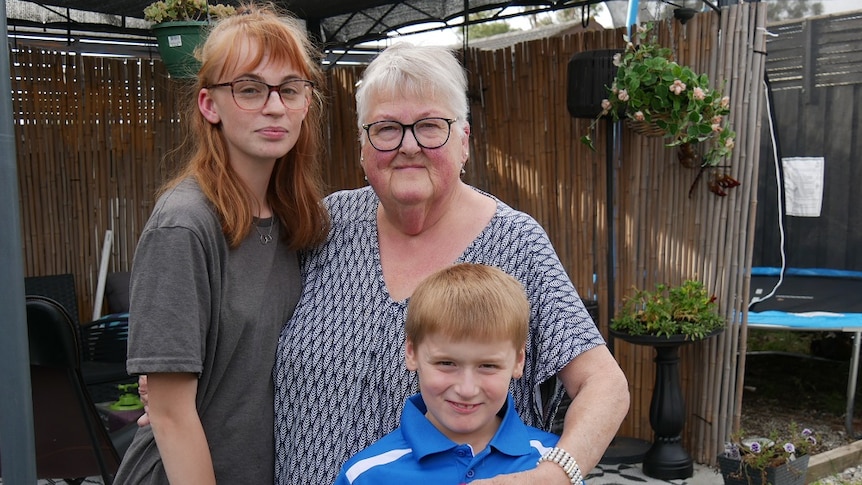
(666, 319)
(179, 27)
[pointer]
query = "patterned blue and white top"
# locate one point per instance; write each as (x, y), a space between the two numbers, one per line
(340, 379)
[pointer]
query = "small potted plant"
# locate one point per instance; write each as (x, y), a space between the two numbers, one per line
(178, 26)
(778, 459)
(659, 97)
(687, 312)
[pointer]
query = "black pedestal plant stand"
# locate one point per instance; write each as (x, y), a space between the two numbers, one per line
(666, 458)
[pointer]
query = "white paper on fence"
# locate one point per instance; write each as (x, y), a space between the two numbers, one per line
(803, 185)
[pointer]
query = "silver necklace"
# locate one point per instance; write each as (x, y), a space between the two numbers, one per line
(265, 238)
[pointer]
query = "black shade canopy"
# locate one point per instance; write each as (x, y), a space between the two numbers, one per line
(345, 23)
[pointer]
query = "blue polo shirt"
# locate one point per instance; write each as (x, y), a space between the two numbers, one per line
(418, 450)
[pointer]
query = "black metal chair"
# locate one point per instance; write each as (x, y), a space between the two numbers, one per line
(103, 341)
(72, 441)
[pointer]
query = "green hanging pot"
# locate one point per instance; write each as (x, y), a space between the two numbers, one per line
(177, 42)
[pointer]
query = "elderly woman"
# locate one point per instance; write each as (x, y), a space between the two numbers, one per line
(340, 378)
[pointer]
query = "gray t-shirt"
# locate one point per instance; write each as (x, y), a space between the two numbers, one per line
(198, 306)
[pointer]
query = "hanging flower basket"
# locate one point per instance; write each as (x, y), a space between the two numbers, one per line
(179, 27)
(659, 97)
(644, 128)
(177, 43)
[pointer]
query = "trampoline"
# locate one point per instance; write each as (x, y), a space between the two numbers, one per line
(811, 300)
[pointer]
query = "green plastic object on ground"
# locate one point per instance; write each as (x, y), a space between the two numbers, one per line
(129, 400)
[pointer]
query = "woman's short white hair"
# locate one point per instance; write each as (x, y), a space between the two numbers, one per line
(423, 72)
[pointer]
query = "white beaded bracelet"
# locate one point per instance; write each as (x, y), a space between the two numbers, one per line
(567, 463)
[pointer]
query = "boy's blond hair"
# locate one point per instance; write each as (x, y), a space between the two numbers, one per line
(469, 302)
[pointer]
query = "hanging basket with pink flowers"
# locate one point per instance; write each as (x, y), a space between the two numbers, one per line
(644, 128)
(659, 97)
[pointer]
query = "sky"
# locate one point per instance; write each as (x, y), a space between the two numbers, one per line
(449, 37)
(835, 6)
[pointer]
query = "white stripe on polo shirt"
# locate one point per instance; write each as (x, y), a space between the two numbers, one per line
(542, 449)
(363, 466)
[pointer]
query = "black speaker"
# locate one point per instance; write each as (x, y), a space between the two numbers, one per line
(590, 74)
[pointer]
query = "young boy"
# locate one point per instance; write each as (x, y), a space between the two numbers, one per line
(466, 333)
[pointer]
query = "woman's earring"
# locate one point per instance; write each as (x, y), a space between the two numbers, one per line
(463, 171)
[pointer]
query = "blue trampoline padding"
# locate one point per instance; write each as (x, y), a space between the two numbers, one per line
(806, 290)
(822, 272)
(847, 322)
(813, 299)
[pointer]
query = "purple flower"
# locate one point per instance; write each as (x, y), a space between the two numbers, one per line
(788, 447)
(731, 450)
(807, 432)
(755, 447)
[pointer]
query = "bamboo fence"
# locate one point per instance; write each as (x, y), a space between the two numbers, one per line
(94, 141)
(526, 151)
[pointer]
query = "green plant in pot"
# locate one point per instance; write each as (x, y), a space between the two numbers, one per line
(185, 10)
(179, 27)
(659, 97)
(778, 459)
(687, 310)
(666, 319)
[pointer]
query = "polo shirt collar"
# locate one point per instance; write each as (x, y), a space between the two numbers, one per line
(425, 439)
